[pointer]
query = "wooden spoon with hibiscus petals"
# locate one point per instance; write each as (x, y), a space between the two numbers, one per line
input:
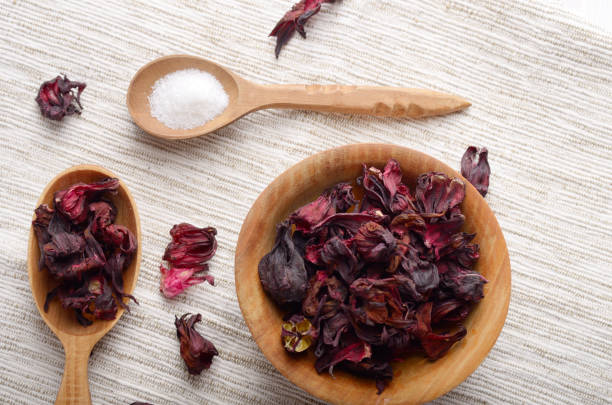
(79, 340)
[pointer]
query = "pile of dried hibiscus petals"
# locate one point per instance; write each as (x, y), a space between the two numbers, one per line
(84, 250)
(376, 284)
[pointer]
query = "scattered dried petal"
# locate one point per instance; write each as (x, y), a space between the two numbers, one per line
(56, 98)
(196, 351)
(190, 246)
(475, 168)
(176, 280)
(294, 20)
(188, 253)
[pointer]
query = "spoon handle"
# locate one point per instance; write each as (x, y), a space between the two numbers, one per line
(371, 100)
(75, 384)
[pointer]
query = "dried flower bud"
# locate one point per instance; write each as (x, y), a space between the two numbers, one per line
(475, 168)
(297, 334)
(196, 351)
(282, 271)
(175, 280)
(73, 201)
(375, 243)
(56, 98)
(190, 246)
(294, 20)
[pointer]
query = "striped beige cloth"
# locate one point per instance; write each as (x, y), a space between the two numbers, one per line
(540, 83)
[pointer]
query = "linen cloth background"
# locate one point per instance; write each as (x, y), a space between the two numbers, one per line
(540, 84)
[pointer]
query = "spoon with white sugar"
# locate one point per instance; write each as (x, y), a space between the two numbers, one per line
(181, 96)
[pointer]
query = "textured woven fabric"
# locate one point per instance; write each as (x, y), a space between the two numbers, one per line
(540, 84)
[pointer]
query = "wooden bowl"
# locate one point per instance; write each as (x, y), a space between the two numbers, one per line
(416, 379)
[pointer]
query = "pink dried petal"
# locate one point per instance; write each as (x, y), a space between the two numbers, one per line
(176, 280)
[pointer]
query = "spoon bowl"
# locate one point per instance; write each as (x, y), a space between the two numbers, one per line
(245, 97)
(142, 84)
(78, 341)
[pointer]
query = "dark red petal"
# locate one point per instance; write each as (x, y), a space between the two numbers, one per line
(55, 98)
(196, 351)
(436, 345)
(294, 20)
(475, 168)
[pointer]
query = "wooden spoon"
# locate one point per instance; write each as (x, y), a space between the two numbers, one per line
(246, 97)
(78, 341)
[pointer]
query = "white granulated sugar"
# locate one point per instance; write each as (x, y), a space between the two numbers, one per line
(188, 98)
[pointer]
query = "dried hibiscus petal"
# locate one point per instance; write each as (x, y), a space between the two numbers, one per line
(282, 271)
(188, 253)
(464, 283)
(73, 201)
(353, 353)
(375, 243)
(337, 199)
(175, 280)
(104, 214)
(40, 225)
(436, 193)
(475, 168)
(196, 351)
(56, 98)
(338, 257)
(436, 345)
(120, 237)
(294, 20)
(190, 246)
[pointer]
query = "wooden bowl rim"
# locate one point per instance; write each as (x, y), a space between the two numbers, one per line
(255, 329)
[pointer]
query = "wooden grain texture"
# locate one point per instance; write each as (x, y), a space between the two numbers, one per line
(246, 97)
(78, 341)
(416, 380)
